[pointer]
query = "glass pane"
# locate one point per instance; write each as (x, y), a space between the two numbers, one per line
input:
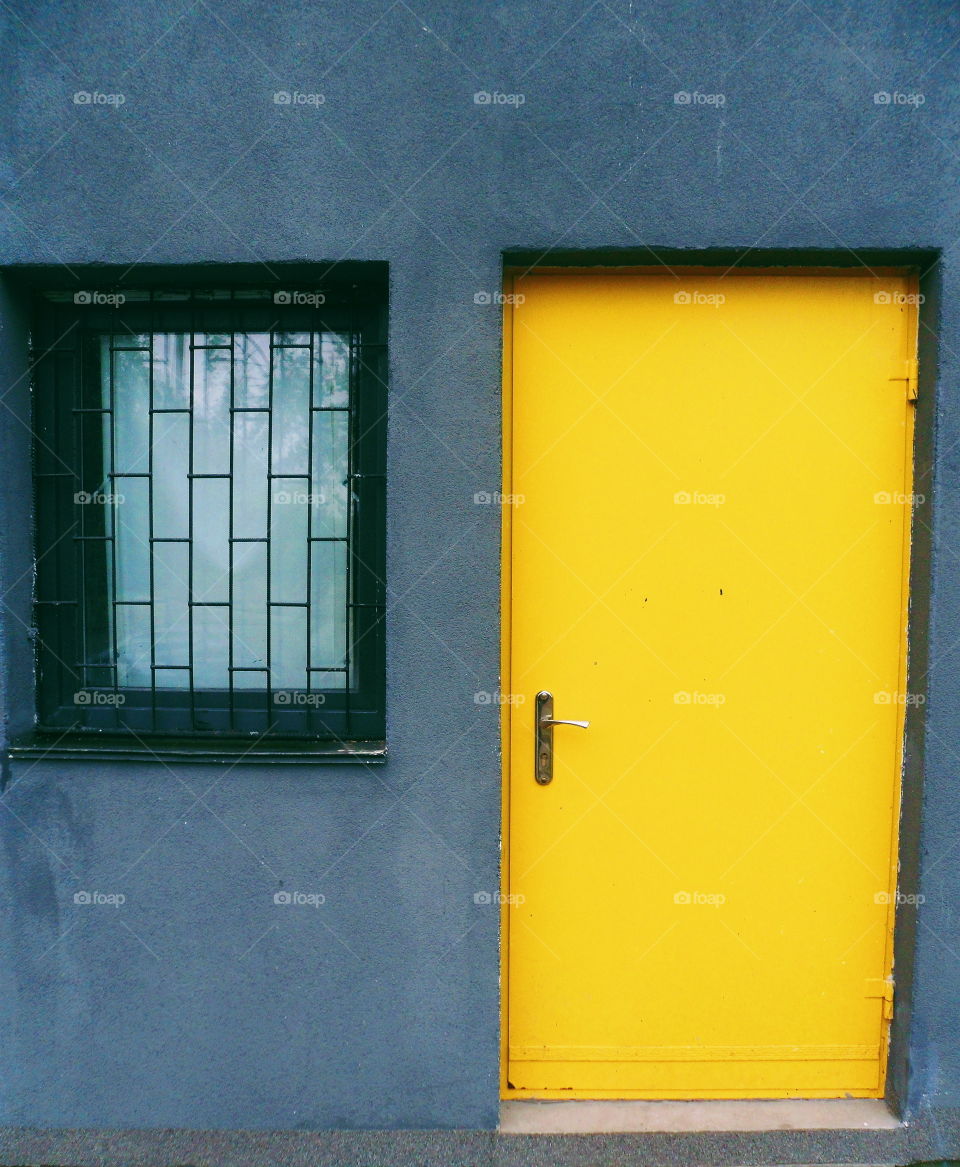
(211, 412)
(329, 484)
(288, 648)
(333, 372)
(133, 646)
(328, 612)
(251, 494)
(211, 647)
(131, 412)
(211, 539)
(288, 541)
(249, 613)
(131, 527)
(291, 410)
(252, 379)
(171, 496)
(171, 370)
(172, 613)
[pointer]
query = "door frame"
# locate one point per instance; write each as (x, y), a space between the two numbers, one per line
(923, 270)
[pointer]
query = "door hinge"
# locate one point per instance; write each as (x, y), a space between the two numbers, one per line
(883, 989)
(909, 376)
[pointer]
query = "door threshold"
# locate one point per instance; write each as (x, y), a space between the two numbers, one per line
(530, 1117)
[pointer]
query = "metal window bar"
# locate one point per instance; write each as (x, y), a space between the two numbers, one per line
(159, 707)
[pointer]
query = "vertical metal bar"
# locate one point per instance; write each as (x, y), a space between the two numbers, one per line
(311, 416)
(114, 543)
(150, 438)
(193, 390)
(269, 661)
(231, 715)
(79, 548)
(78, 421)
(352, 487)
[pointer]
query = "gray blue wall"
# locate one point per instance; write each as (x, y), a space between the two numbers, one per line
(198, 1002)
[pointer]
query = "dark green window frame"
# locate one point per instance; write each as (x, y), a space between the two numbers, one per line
(76, 601)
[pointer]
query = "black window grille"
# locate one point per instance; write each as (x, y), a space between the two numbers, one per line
(210, 520)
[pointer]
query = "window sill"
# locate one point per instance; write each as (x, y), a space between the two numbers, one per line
(113, 748)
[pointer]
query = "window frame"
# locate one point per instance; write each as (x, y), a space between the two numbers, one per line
(349, 724)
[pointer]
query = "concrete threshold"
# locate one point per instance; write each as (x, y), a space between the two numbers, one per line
(583, 1118)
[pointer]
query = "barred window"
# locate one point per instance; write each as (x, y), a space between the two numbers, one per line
(210, 522)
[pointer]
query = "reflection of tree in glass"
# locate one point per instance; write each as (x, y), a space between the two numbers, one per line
(334, 372)
(171, 370)
(291, 410)
(252, 357)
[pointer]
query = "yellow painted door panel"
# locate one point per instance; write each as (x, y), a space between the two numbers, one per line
(707, 560)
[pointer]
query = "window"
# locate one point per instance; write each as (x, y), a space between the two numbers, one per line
(210, 522)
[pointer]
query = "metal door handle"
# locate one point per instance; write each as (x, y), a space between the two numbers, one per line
(543, 769)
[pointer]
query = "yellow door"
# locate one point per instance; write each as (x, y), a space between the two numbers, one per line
(706, 559)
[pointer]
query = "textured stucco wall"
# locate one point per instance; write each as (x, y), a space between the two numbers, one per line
(197, 1004)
